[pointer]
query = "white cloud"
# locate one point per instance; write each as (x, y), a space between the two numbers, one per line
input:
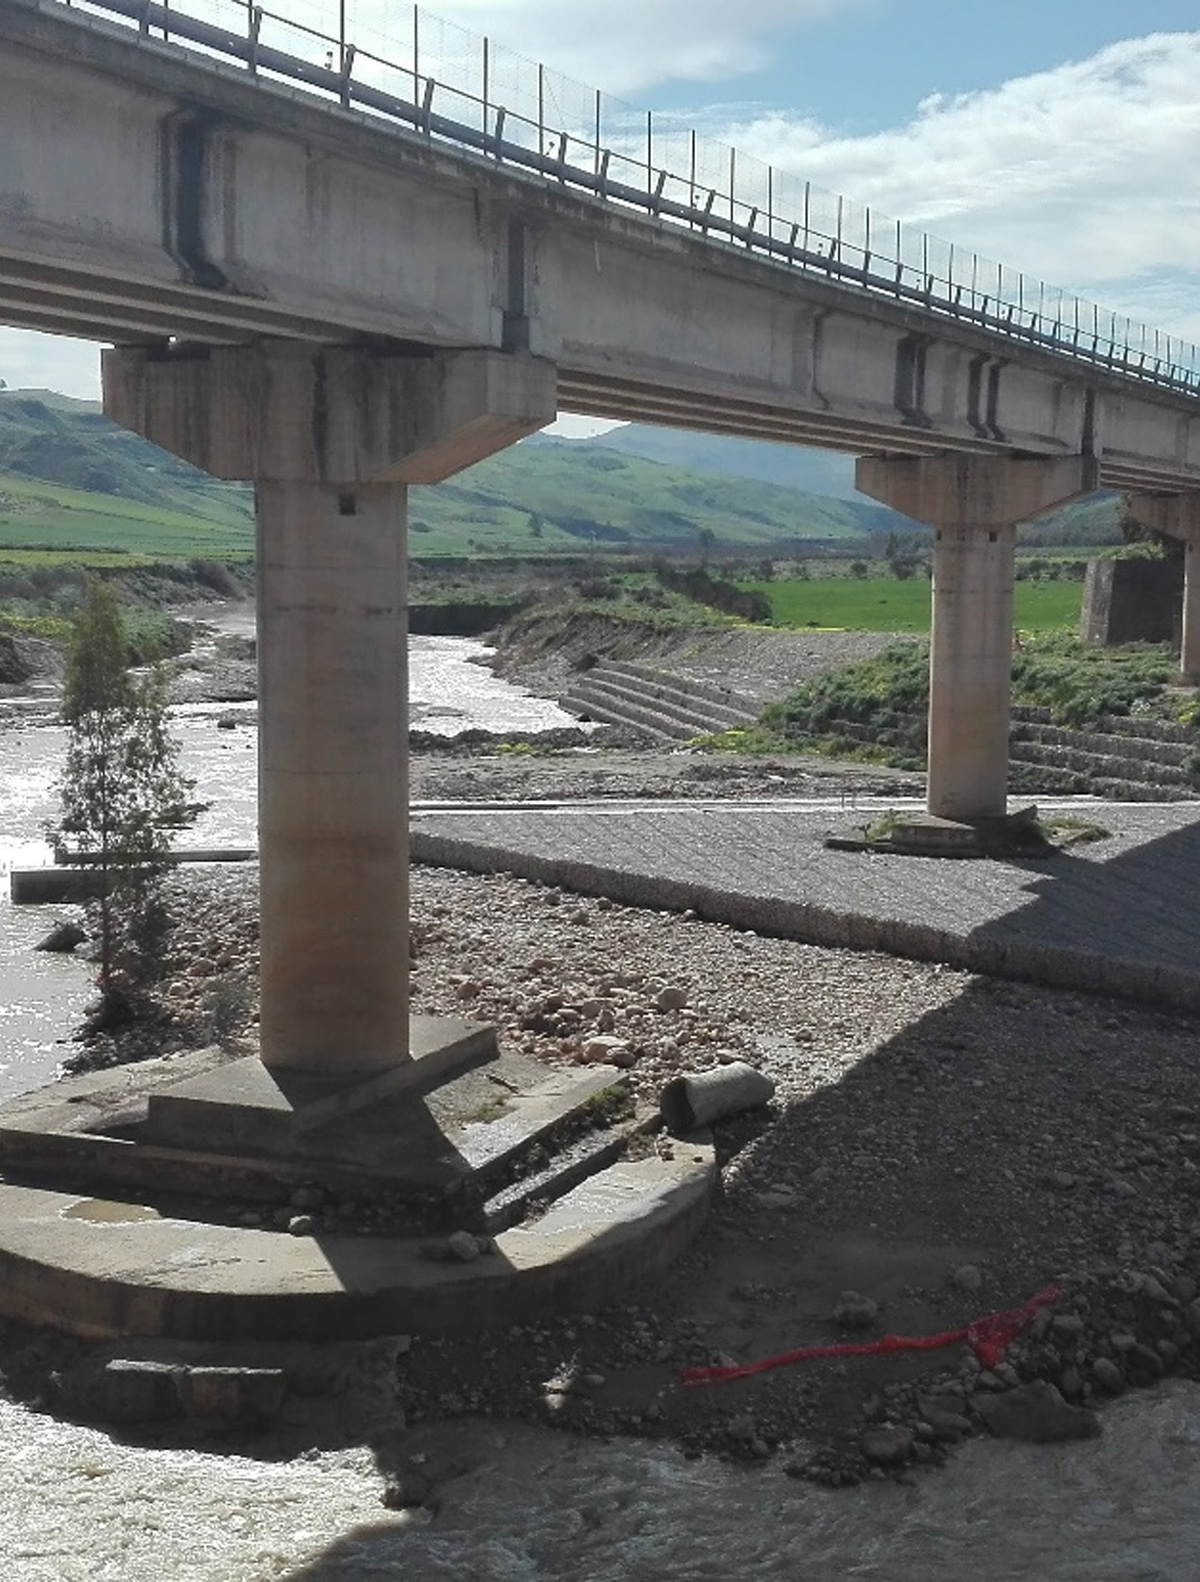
(1083, 175)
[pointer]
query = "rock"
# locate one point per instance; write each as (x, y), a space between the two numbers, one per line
(671, 998)
(1036, 1414)
(135, 1391)
(233, 1397)
(1067, 1326)
(887, 1446)
(855, 1311)
(1145, 1364)
(946, 1425)
(463, 1246)
(1107, 1375)
(405, 1488)
(62, 939)
(301, 1225)
(1071, 1383)
(607, 1049)
(967, 1278)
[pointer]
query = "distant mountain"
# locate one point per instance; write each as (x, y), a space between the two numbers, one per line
(823, 472)
(829, 474)
(563, 492)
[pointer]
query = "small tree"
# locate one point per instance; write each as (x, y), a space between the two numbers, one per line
(121, 792)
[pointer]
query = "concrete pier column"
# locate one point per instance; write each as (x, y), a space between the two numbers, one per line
(970, 671)
(332, 436)
(332, 777)
(974, 504)
(1179, 516)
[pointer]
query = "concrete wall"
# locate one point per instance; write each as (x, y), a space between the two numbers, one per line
(1132, 601)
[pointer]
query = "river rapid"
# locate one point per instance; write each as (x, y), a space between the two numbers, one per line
(76, 1503)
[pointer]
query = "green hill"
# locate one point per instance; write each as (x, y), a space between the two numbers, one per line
(55, 439)
(572, 494)
(73, 482)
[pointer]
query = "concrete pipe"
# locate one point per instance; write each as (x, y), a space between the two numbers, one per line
(699, 1098)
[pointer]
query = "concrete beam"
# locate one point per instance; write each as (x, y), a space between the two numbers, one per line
(283, 411)
(974, 503)
(183, 201)
(974, 491)
(1179, 516)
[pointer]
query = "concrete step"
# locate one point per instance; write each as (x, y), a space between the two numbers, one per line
(659, 700)
(604, 713)
(632, 710)
(740, 703)
(1097, 762)
(105, 1235)
(669, 692)
(1139, 749)
(571, 1165)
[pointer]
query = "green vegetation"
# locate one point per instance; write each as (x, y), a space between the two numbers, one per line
(568, 497)
(49, 524)
(886, 604)
(889, 695)
(121, 792)
(1078, 683)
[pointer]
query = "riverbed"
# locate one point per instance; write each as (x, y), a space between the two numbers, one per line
(529, 1504)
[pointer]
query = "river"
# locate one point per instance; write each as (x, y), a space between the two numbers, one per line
(76, 1503)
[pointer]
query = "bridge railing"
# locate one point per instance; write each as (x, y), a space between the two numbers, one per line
(444, 83)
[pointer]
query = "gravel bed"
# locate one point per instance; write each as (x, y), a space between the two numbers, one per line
(940, 1146)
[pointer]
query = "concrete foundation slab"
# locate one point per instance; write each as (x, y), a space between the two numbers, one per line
(100, 1278)
(248, 1108)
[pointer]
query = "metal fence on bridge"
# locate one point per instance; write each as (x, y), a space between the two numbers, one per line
(450, 85)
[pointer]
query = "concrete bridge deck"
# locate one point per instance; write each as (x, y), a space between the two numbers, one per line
(1115, 916)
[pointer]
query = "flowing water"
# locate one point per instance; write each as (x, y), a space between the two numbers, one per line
(76, 1504)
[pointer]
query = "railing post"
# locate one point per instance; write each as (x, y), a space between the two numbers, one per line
(254, 17)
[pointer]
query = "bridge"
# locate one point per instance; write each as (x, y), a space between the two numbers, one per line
(337, 276)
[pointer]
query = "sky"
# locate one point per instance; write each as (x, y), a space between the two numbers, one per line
(1060, 137)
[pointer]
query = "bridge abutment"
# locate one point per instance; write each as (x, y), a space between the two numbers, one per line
(331, 438)
(974, 504)
(1178, 515)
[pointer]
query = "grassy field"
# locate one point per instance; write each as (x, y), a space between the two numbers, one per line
(884, 604)
(46, 523)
